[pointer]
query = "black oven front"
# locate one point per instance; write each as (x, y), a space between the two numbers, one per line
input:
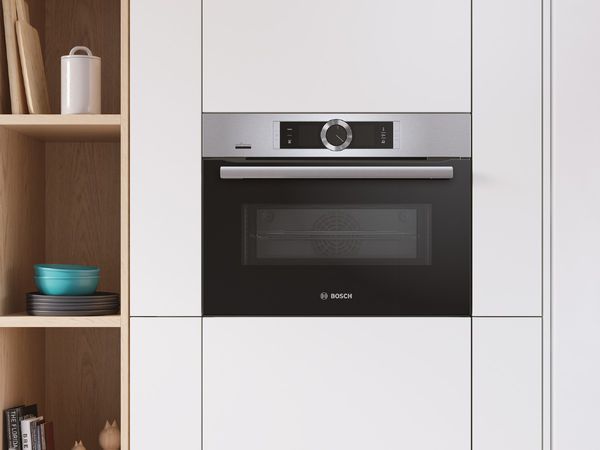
(336, 236)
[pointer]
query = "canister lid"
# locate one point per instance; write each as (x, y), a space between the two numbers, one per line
(80, 48)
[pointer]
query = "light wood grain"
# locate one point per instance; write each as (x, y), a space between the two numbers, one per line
(81, 376)
(32, 67)
(82, 382)
(94, 24)
(15, 77)
(82, 208)
(21, 217)
(67, 128)
(72, 374)
(22, 320)
(22, 364)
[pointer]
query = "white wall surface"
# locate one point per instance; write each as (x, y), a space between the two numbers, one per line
(165, 157)
(507, 383)
(507, 158)
(337, 56)
(337, 383)
(576, 224)
(166, 373)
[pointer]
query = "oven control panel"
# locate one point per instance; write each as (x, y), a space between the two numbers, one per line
(335, 135)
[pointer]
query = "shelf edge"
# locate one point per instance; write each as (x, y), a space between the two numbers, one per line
(22, 320)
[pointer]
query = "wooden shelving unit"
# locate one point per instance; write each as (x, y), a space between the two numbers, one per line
(22, 320)
(68, 128)
(64, 198)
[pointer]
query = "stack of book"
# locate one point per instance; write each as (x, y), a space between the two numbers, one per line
(25, 430)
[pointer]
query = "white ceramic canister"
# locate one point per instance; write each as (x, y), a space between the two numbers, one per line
(80, 82)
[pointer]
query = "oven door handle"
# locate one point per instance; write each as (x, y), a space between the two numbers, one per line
(337, 172)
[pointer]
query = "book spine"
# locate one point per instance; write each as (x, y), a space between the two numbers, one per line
(43, 435)
(26, 434)
(38, 435)
(7, 436)
(33, 431)
(14, 430)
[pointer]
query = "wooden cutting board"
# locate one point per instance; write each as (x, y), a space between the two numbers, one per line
(4, 88)
(32, 64)
(18, 101)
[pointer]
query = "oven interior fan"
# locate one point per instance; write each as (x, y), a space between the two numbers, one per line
(334, 245)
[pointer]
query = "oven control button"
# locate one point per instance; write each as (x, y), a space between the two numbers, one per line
(336, 135)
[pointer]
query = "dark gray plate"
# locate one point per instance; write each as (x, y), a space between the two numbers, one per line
(96, 296)
(72, 308)
(78, 303)
(99, 312)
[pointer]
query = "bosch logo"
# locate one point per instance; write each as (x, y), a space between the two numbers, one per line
(336, 296)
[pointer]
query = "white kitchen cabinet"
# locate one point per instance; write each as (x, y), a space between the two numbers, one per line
(507, 383)
(166, 396)
(335, 56)
(507, 158)
(337, 383)
(165, 157)
(575, 224)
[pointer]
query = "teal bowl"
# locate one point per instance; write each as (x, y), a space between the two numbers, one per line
(65, 270)
(67, 285)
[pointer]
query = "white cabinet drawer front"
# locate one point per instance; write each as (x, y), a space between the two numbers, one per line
(507, 158)
(166, 394)
(335, 56)
(336, 383)
(507, 384)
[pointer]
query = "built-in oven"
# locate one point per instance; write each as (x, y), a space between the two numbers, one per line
(314, 215)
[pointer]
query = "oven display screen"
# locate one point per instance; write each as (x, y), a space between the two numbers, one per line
(364, 135)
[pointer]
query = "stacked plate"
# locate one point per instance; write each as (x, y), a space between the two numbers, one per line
(98, 304)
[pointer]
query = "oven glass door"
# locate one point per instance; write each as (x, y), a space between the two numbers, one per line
(287, 239)
(337, 234)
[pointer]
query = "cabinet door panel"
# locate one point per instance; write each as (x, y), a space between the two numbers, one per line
(575, 225)
(507, 158)
(165, 383)
(507, 384)
(165, 158)
(336, 56)
(337, 383)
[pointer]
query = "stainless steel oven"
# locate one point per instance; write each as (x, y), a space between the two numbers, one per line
(346, 214)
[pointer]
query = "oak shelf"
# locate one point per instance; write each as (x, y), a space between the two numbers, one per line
(57, 127)
(23, 320)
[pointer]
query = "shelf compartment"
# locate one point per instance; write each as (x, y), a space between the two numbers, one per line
(59, 203)
(73, 374)
(67, 128)
(23, 320)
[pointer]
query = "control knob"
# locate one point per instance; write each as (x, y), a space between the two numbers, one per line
(336, 135)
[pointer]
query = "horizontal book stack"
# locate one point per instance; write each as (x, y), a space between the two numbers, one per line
(25, 430)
